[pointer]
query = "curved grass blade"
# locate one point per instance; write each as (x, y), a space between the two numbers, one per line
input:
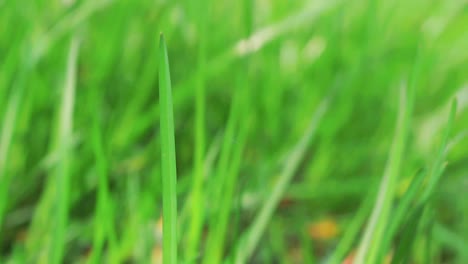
(352, 231)
(168, 158)
(197, 197)
(401, 211)
(6, 138)
(438, 167)
(64, 143)
(403, 251)
(249, 242)
(375, 230)
(227, 174)
(432, 176)
(103, 229)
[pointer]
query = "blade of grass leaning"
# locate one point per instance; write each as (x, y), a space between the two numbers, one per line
(220, 228)
(229, 173)
(409, 234)
(6, 139)
(352, 231)
(428, 254)
(230, 161)
(208, 164)
(373, 236)
(168, 158)
(104, 219)
(250, 240)
(62, 171)
(432, 177)
(197, 197)
(220, 183)
(217, 186)
(438, 164)
(401, 211)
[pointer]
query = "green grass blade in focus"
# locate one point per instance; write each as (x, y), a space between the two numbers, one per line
(168, 159)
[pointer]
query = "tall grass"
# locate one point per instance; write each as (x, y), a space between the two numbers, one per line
(104, 227)
(251, 239)
(373, 236)
(6, 139)
(294, 142)
(197, 201)
(63, 145)
(168, 158)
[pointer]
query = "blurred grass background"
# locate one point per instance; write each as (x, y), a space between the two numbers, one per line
(284, 111)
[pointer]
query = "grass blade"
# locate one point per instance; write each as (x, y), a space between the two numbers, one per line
(371, 242)
(227, 174)
(352, 231)
(103, 222)
(401, 211)
(247, 246)
(168, 158)
(64, 142)
(197, 197)
(405, 245)
(6, 138)
(410, 195)
(438, 167)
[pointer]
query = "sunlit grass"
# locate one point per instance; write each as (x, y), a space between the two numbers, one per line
(291, 118)
(63, 145)
(168, 158)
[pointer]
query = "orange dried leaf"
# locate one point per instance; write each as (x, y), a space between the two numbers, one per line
(324, 229)
(157, 255)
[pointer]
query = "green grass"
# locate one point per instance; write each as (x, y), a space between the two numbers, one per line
(168, 158)
(198, 199)
(374, 233)
(281, 116)
(8, 127)
(248, 245)
(63, 148)
(104, 228)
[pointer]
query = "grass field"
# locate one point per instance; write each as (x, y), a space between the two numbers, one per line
(247, 132)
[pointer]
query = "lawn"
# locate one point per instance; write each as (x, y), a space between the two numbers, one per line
(263, 131)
